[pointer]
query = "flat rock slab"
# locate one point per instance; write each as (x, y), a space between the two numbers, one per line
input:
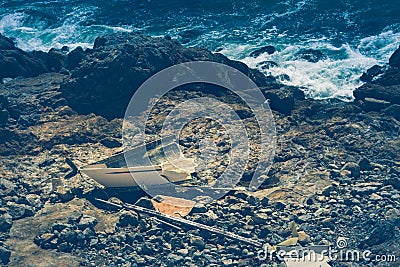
(26, 253)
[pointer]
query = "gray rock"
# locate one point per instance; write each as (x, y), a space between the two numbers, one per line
(128, 218)
(279, 205)
(197, 242)
(110, 142)
(269, 49)
(174, 258)
(382, 232)
(394, 60)
(19, 211)
(372, 104)
(68, 235)
(260, 218)
(46, 241)
(394, 111)
(328, 190)
(354, 168)
(5, 222)
(176, 243)
(393, 181)
(199, 208)
(265, 201)
(65, 247)
(4, 255)
(60, 226)
(87, 221)
(311, 55)
(365, 164)
(363, 191)
(6, 187)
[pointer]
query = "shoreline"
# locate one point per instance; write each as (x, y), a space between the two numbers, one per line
(335, 171)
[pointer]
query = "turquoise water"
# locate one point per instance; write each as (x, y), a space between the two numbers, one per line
(353, 34)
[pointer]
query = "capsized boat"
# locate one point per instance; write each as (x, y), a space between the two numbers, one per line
(113, 172)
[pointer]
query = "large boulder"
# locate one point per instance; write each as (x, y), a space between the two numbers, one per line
(394, 60)
(269, 49)
(14, 62)
(283, 99)
(387, 75)
(311, 55)
(105, 77)
(387, 93)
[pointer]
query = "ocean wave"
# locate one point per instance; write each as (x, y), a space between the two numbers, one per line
(341, 30)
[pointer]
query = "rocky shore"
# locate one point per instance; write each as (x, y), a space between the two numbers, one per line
(336, 171)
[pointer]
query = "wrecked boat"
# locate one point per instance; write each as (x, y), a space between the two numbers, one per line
(113, 172)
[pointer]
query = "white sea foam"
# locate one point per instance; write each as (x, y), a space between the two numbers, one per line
(335, 77)
(70, 33)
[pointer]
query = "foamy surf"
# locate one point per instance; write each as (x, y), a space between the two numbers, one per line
(337, 76)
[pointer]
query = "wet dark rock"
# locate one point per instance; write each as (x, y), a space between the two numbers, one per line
(390, 77)
(68, 235)
(365, 164)
(354, 168)
(14, 62)
(387, 93)
(53, 60)
(371, 73)
(283, 77)
(283, 99)
(128, 218)
(4, 255)
(5, 222)
(65, 247)
(6, 187)
(264, 201)
(199, 208)
(19, 211)
(311, 55)
(382, 232)
(394, 60)
(393, 181)
(6, 43)
(363, 191)
(110, 142)
(4, 115)
(264, 65)
(198, 242)
(74, 58)
(87, 221)
(372, 104)
(328, 190)
(107, 76)
(394, 111)
(269, 49)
